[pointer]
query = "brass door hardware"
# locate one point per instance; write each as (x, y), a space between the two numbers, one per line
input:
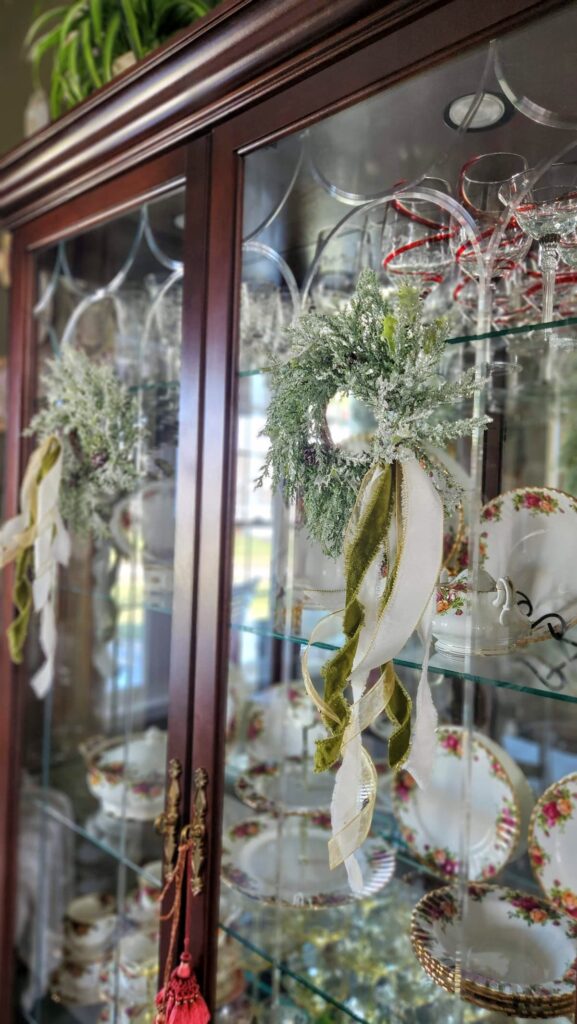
(195, 833)
(167, 823)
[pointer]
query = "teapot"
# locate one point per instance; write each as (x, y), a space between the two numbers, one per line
(478, 619)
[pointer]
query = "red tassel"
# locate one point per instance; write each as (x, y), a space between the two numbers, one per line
(181, 1002)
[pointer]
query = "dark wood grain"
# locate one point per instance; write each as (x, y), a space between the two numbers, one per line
(189, 476)
(20, 377)
(109, 200)
(216, 497)
(245, 50)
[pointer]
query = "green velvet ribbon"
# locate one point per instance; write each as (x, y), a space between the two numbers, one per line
(24, 568)
(368, 537)
(22, 597)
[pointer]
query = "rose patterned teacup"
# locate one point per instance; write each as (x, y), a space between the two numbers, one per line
(89, 926)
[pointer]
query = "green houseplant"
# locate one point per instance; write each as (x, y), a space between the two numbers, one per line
(91, 41)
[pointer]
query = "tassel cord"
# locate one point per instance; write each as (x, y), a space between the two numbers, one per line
(175, 879)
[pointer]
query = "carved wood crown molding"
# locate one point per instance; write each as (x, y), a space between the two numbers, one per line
(243, 51)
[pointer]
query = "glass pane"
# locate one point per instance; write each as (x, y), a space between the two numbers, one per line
(95, 748)
(460, 181)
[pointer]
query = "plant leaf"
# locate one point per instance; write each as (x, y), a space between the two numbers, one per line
(41, 21)
(132, 27)
(86, 41)
(55, 95)
(71, 75)
(68, 23)
(96, 15)
(108, 48)
(42, 45)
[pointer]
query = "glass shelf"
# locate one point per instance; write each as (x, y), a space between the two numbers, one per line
(545, 669)
(98, 844)
(357, 959)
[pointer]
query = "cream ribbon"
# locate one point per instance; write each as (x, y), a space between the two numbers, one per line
(384, 633)
(40, 525)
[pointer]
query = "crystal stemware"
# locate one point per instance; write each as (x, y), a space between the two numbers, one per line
(416, 235)
(545, 206)
(479, 184)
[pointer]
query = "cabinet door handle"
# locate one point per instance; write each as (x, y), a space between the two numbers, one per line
(167, 823)
(194, 835)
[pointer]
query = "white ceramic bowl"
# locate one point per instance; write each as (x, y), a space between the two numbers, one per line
(478, 622)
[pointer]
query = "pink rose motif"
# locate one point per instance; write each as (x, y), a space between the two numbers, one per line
(551, 812)
(537, 857)
(532, 500)
(452, 741)
(526, 903)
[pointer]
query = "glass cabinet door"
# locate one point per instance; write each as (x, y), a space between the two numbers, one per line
(94, 750)
(460, 180)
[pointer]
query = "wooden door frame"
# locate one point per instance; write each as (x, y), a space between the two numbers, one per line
(187, 167)
(439, 34)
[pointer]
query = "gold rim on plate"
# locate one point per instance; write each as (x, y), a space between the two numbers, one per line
(532, 1005)
(512, 1006)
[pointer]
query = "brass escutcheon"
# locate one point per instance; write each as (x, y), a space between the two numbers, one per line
(167, 823)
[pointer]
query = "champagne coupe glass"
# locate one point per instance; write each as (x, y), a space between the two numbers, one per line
(502, 246)
(545, 206)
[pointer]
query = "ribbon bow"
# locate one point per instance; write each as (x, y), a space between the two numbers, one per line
(393, 553)
(37, 541)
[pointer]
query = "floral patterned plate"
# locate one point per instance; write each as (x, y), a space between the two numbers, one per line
(553, 843)
(519, 951)
(285, 862)
(529, 535)
(431, 820)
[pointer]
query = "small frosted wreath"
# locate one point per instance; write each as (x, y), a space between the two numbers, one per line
(88, 432)
(383, 355)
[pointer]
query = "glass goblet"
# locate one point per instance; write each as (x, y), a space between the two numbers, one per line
(479, 184)
(416, 235)
(545, 206)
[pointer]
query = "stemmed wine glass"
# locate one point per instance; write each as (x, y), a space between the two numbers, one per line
(502, 245)
(545, 206)
(416, 235)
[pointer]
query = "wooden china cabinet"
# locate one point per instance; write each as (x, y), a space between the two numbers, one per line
(173, 225)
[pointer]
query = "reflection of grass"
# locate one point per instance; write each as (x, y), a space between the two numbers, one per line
(252, 560)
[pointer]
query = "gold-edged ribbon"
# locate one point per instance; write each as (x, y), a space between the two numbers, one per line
(36, 541)
(397, 523)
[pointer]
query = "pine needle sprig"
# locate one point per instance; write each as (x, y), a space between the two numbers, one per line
(98, 423)
(383, 355)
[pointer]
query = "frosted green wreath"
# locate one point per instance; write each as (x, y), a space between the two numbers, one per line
(97, 421)
(383, 355)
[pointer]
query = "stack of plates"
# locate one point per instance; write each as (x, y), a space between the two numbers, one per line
(520, 954)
